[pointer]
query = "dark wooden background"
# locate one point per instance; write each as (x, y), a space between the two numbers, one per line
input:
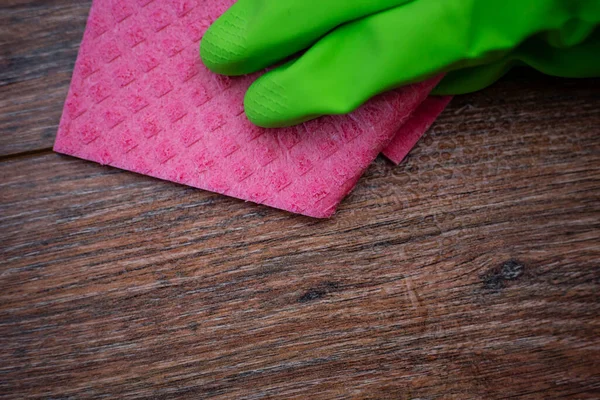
(470, 271)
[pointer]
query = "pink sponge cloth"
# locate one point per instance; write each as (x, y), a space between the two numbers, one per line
(419, 122)
(140, 99)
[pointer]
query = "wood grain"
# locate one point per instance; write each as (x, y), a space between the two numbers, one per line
(470, 271)
(39, 41)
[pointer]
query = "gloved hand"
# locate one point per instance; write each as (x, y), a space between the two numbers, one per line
(356, 49)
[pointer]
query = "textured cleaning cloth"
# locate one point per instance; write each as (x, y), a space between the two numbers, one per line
(419, 122)
(141, 100)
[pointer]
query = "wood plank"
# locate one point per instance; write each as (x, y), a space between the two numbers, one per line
(39, 41)
(470, 271)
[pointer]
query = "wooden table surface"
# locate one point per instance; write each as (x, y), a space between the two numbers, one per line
(469, 271)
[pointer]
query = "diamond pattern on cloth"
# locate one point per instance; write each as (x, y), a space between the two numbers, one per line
(141, 100)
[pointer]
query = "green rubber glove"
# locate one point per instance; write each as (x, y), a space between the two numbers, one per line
(355, 49)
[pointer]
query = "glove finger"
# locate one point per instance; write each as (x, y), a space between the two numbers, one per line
(353, 63)
(254, 34)
(578, 61)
